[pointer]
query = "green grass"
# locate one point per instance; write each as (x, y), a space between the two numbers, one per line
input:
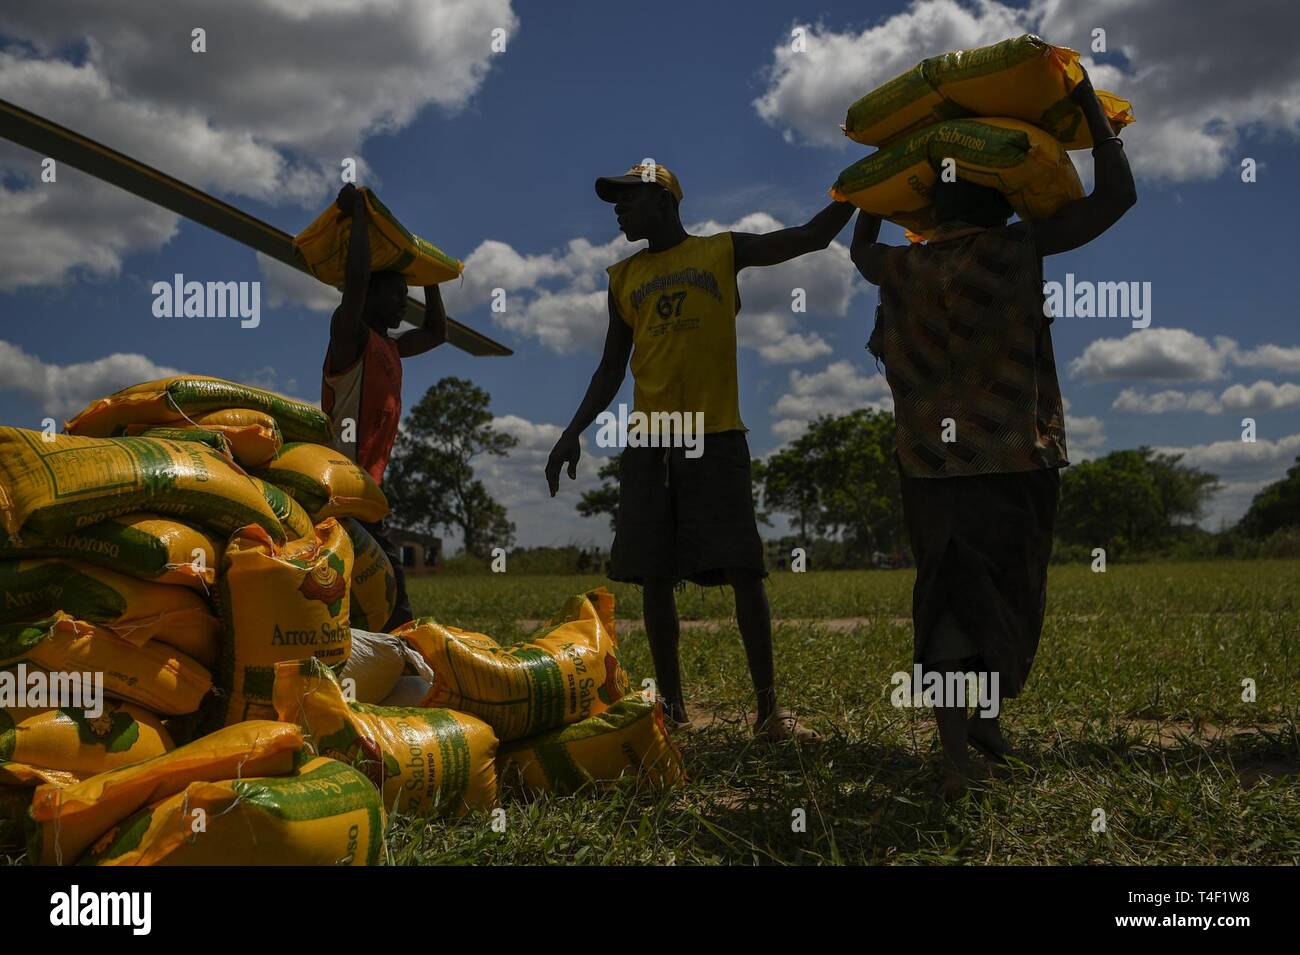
(1125, 655)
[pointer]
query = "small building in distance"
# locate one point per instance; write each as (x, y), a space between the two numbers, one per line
(421, 553)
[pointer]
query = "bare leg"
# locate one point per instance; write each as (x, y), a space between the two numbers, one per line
(664, 634)
(754, 618)
(953, 738)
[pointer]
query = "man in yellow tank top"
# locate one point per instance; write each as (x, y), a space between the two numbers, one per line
(686, 507)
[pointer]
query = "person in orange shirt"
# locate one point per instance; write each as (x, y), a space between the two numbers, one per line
(361, 384)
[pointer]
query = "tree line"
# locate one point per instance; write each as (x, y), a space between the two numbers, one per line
(838, 486)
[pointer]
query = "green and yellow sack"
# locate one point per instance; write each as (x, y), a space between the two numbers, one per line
(145, 546)
(326, 483)
(254, 436)
(628, 739)
(322, 813)
(566, 672)
(1022, 162)
(135, 610)
(217, 442)
(54, 744)
(154, 675)
(279, 604)
(185, 398)
(374, 586)
(1022, 78)
(293, 517)
(66, 821)
(426, 762)
(323, 246)
(51, 485)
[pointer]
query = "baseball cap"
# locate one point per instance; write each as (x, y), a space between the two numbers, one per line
(607, 187)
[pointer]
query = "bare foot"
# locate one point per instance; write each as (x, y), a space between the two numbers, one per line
(783, 726)
(985, 736)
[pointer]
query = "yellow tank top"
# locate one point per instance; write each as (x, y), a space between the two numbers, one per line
(682, 305)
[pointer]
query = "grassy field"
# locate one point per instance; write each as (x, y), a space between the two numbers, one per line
(1134, 708)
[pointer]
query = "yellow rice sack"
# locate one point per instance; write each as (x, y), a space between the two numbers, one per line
(278, 604)
(135, 610)
(217, 442)
(326, 483)
(68, 740)
(323, 246)
(66, 483)
(145, 546)
(182, 398)
(250, 444)
(1022, 162)
(321, 814)
(64, 822)
(566, 672)
(292, 516)
(254, 436)
(426, 762)
(1022, 78)
(629, 738)
(154, 675)
(374, 587)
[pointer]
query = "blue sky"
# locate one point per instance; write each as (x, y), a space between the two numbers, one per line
(492, 157)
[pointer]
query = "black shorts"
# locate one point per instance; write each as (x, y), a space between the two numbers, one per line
(685, 518)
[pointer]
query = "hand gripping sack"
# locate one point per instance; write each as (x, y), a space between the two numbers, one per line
(1022, 162)
(323, 246)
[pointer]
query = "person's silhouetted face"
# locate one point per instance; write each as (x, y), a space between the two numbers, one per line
(963, 201)
(642, 209)
(386, 299)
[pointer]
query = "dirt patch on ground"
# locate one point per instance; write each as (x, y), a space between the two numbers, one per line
(1251, 770)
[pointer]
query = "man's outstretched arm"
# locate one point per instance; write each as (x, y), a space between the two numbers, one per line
(604, 386)
(1112, 195)
(773, 248)
(434, 330)
(348, 328)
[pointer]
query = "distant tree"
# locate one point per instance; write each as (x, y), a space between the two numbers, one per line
(604, 499)
(430, 481)
(1134, 499)
(1275, 507)
(839, 479)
